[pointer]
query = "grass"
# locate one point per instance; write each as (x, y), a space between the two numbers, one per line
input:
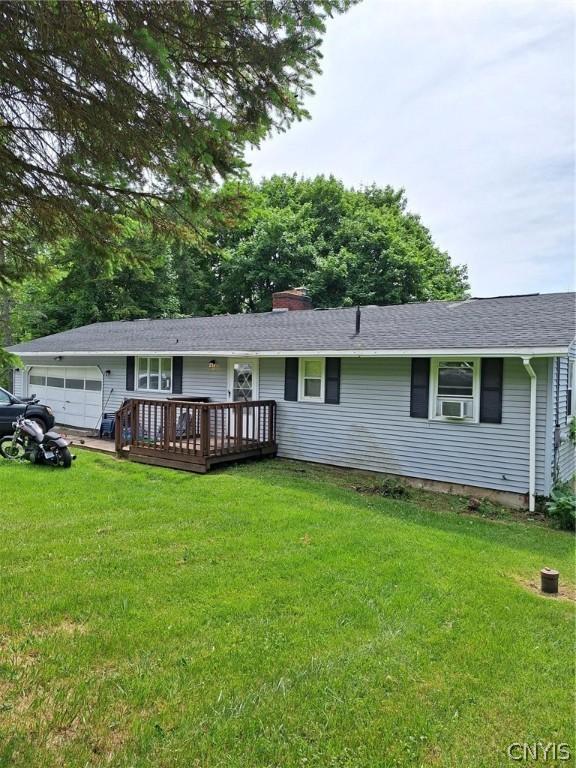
(271, 615)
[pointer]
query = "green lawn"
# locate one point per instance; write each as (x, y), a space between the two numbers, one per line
(270, 615)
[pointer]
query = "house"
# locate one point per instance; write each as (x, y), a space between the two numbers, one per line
(473, 394)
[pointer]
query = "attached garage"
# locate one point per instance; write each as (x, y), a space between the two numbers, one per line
(74, 393)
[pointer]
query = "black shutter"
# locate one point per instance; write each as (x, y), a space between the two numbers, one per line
(571, 383)
(332, 389)
(419, 387)
(130, 374)
(291, 378)
(177, 375)
(491, 390)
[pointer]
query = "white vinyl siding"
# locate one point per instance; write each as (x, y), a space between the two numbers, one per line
(198, 378)
(566, 458)
(371, 428)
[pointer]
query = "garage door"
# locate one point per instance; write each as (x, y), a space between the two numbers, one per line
(73, 393)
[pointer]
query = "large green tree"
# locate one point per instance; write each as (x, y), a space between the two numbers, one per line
(347, 246)
(79, 285)
(136, 106)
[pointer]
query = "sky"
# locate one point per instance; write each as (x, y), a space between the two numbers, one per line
(468, 105)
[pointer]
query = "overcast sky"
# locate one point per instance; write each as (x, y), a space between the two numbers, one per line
(468, 105)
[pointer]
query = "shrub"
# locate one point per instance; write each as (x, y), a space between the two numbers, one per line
(572, 430)
(562, 506)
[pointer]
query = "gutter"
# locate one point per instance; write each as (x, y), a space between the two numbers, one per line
(455, 353)
(532, 439)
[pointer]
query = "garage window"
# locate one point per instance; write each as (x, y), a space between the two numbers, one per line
(93, 385)
(75, 383)
(155, 374)
(54, 381)
(38, 380)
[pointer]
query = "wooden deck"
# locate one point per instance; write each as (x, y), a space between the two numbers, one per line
(195, 436)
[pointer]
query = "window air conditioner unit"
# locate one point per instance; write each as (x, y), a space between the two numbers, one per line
(453, 409)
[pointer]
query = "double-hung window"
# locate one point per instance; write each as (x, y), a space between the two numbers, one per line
(455, 389)
(312, 379)
(155, 374)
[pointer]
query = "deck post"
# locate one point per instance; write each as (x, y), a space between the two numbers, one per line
(134, 423)
(204, 431)
(118, 431)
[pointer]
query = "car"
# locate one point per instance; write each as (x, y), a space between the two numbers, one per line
(12, 406)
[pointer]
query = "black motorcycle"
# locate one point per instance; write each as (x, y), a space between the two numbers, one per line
(31, 443)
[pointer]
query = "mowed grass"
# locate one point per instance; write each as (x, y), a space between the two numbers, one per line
(270, 615)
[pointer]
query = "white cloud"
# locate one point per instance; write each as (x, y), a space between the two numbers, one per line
(468, 105)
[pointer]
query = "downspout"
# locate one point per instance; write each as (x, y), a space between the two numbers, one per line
(532, 438)
(556, 458)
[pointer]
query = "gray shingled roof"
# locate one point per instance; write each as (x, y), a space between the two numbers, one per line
(514, 322)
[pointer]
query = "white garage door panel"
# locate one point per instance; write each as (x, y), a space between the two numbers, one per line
(73, 392)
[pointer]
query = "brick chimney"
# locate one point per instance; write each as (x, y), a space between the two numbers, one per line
(293, 299)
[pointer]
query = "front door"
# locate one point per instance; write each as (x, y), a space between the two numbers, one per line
(242, 387)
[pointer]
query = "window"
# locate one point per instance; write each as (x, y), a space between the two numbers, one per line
(55, 381)
(94, 385)
(155, 374)
(455, 390)
(38, 380)
(74, 383)
(312, 379)
(242, 381)
(4, 398)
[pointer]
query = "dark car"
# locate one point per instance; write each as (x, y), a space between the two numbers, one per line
(12, 406)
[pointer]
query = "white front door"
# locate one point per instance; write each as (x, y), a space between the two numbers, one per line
(243, 385)
(73, 392)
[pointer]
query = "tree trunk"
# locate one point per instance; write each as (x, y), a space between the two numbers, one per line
(6, 338)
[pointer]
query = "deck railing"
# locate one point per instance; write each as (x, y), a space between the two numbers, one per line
(202, 430)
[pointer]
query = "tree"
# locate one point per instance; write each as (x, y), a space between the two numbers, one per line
(348, 246)
(110, 106)
(81, 286)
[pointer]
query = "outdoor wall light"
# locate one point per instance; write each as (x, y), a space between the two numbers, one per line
(58, 358)
(108, 372)
(212, 364)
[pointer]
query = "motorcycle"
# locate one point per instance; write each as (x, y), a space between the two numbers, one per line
(29, 442)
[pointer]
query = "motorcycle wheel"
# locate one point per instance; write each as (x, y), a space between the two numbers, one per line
(64, 458)
(10, 451)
